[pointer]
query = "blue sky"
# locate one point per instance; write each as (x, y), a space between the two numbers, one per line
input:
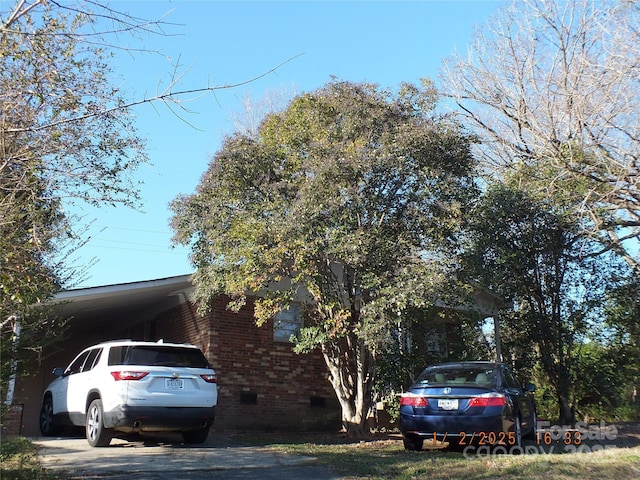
(218, 43)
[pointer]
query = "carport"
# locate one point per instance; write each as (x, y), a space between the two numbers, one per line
(96, 314)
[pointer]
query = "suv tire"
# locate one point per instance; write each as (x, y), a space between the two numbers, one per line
(97, 434)
(47, 424)
(195, 436)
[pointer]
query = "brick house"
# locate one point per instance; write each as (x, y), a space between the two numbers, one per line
(262, 383)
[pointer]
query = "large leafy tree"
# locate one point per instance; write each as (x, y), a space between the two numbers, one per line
(530, 251)
(555, 86)
(348, 197)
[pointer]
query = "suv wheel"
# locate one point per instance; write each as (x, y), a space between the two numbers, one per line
(47, 423)
(97, 434)
(196, 436)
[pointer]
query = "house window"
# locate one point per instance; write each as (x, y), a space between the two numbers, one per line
(287, 323)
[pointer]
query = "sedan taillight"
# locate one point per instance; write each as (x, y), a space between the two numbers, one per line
(209, 378)
(127, 375)
(488, 400)
(413, 400)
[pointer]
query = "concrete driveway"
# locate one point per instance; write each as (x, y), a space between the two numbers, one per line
(166, 457)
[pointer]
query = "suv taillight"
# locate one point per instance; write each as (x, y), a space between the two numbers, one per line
(209, 378)
(127, 375)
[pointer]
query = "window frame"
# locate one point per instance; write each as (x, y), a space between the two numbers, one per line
(289, 323)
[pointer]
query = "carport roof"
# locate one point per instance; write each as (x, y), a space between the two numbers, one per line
(147, 297)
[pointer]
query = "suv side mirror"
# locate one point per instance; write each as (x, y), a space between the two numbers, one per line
(58, 372)
(530, 387)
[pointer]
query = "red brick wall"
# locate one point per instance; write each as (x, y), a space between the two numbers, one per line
(182, 324)
(262, 383)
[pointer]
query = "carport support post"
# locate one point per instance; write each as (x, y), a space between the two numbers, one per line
(11, 387)
(496, 336)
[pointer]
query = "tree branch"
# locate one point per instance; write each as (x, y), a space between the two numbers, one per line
(168, 96)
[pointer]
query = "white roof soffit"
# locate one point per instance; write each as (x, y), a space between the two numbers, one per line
(126, 296)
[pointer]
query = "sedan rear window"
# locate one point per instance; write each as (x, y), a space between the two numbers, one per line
(457, 375)
(158, 356)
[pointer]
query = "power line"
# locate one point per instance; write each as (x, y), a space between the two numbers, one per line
(168, 250)
(130, 243)
(104, 227)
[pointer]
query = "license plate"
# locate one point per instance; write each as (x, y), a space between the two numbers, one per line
(448, 403)
(173, 384)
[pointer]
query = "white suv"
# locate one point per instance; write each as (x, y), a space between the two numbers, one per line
(129, 386)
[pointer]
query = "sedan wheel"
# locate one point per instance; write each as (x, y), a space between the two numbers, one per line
(533, 434)
(517, 428)
(97, 434)
(47, 423)
(413, 444)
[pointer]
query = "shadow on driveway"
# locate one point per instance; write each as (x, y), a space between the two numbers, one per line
(166, 457)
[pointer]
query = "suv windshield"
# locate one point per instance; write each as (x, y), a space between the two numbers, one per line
(158, 355)
(458, 375)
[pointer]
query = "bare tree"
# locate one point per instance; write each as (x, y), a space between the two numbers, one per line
(255, 110)
(66, 135)
(553, 90)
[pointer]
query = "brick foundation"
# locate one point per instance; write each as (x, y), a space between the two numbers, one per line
(12, 421)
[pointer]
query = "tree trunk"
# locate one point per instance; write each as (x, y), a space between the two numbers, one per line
(558, 374)
(351, 372)
(566, 412)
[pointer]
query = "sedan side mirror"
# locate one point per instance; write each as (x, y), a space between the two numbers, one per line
(58, 372)
(530, 387)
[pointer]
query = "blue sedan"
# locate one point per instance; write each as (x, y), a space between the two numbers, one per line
(468, 403)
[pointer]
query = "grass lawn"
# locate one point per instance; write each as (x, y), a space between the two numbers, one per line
(19, 462)
(387, 459)
(391, 461)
